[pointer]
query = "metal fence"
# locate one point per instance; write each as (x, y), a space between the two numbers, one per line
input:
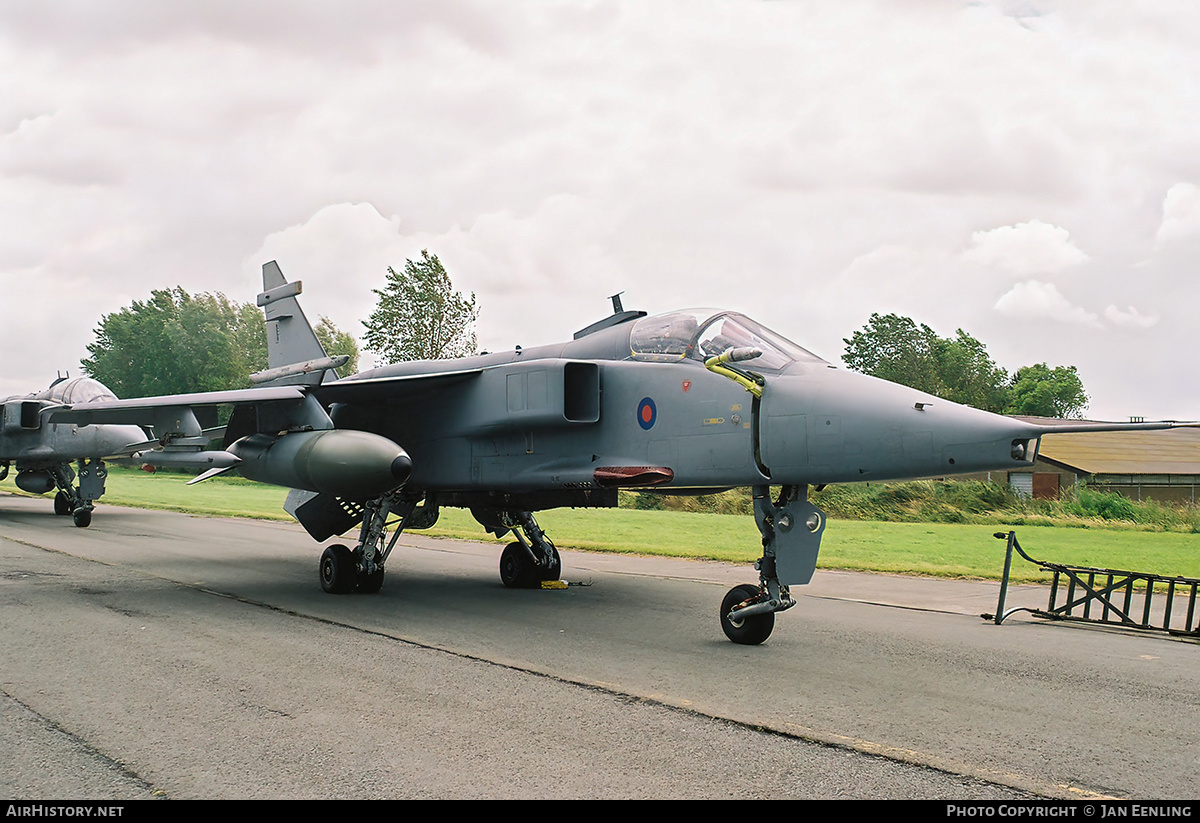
(1135, 600)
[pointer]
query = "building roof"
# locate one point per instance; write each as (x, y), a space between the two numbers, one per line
(1166, 451)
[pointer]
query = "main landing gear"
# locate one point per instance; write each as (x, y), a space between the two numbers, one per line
(791, 529)
(525, 563)
(78, 501)
(344, 570)
(532, 559)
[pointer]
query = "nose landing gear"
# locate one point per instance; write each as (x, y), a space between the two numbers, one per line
(791, 529)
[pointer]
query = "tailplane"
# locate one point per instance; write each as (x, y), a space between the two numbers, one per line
(294, 354)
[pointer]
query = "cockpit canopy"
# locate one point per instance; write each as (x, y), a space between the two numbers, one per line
(699, 334)
(78, 390)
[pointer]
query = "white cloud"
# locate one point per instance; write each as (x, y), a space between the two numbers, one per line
(334, 241)
(1035, 300)
(1033, 248)
(343, 252)
(804, 162)
(892, 278)
(1181, 213)
(1130, 319)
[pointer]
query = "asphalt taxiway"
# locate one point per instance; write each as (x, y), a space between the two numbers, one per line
(159, 654)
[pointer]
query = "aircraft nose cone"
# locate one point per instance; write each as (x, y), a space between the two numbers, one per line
(842, 427)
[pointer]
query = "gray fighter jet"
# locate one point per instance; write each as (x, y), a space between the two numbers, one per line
(44, 451)
(684, 402)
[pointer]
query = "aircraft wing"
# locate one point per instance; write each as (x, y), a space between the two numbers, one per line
(179, 437)
(147, 411)
(163, 413)
(276, 434)
(406, 386)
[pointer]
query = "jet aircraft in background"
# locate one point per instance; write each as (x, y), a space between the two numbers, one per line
(43, 451)
(683, 402)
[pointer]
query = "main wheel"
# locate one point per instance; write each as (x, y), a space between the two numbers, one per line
(339, 573)
(62, 504)
(517, 571)
(83, 518)
(752, 630)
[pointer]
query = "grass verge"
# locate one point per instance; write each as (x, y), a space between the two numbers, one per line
(963, 550)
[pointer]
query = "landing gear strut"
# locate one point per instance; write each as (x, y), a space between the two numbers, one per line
(791, 529)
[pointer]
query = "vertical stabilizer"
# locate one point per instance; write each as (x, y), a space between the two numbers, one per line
(294, 355)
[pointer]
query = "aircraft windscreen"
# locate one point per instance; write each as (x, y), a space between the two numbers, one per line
(702, 333)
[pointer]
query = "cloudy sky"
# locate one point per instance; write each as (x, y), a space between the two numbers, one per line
(1026, 170)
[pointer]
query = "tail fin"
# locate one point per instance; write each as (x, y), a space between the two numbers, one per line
(294, 355)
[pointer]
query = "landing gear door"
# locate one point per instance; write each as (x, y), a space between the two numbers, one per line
(792, 530)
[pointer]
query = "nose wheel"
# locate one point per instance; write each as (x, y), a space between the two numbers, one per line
(751, 628)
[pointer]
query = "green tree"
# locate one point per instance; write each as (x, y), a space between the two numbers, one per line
(895, 348)
(969, 374)
(177, 343)
(419, 315)
(1047, 392)
(335, 342)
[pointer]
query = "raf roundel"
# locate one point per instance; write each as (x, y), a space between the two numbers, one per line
(647, 413)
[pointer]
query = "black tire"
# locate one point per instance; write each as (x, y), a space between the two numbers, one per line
(516, 568)
(83, 518)
(62, 504)
(754, 629)
(338, 571)
(371, 583)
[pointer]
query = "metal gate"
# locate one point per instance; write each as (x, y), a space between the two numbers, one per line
(1136, 600)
